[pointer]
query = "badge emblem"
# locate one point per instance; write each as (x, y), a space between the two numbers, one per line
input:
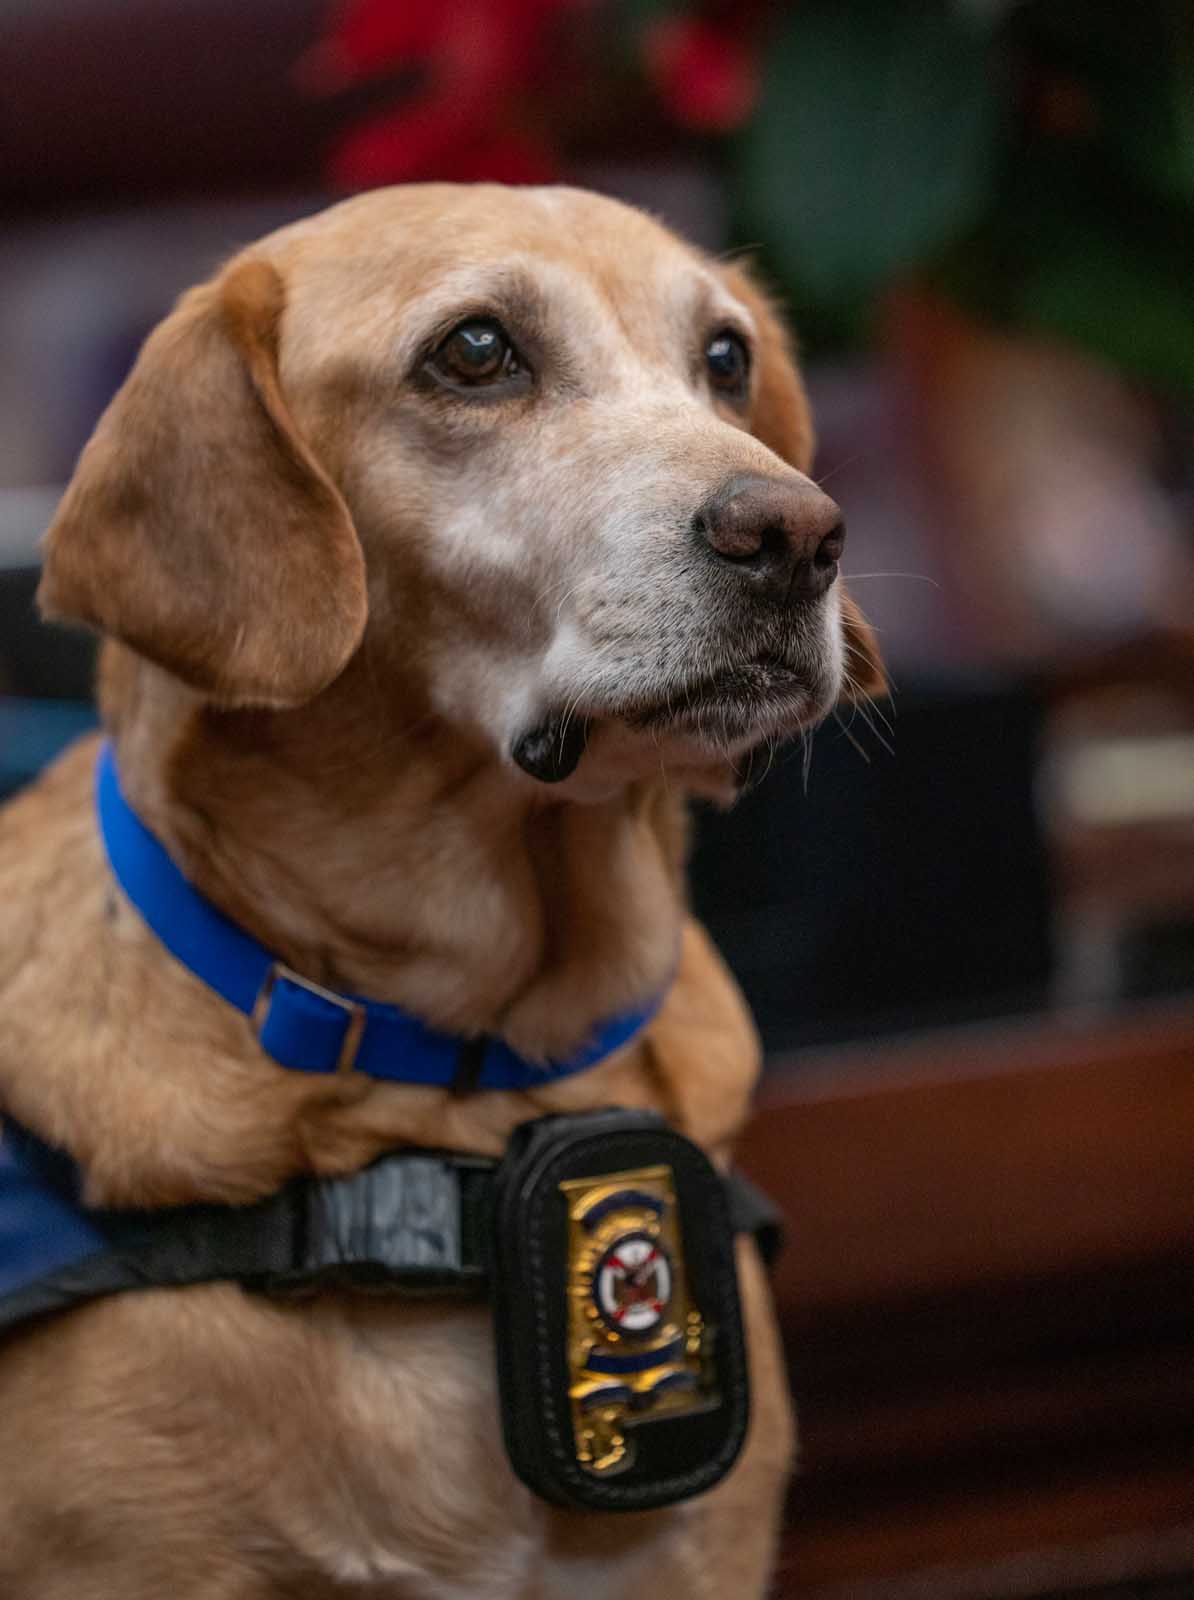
(632, 1284)
(637, 1345)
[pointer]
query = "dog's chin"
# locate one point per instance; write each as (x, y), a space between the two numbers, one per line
(701, 734)
(734, 708)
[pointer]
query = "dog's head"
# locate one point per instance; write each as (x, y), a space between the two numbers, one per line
(544, 459)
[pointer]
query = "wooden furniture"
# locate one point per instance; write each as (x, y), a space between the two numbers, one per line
(988, 1303)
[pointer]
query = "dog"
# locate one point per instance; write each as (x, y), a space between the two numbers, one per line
(442, 545)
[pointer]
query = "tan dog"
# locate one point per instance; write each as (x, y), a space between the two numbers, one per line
(444, 542)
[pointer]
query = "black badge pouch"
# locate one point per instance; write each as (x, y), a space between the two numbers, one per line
(621, 1363)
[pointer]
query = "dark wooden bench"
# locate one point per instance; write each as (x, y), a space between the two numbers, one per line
(988, 1304)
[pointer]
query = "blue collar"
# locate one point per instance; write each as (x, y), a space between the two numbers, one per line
(301, 1024)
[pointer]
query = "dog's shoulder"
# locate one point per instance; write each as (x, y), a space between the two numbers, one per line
(108, 1047)
(51, 871)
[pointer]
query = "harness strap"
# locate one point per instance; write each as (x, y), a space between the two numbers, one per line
(415, 1222)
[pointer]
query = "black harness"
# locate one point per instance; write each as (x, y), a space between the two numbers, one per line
(604, 1241)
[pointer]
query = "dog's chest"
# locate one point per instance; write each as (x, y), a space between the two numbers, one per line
(396, 1481)
(344, 1450)
(403, 1489)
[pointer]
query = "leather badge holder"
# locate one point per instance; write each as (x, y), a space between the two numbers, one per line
(621, 1362)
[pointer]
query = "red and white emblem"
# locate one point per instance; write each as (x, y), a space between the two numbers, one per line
(632, 1283)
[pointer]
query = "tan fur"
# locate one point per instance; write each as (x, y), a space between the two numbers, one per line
(343, 788)
(197, 493)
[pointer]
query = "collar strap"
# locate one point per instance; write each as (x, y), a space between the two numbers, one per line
(301, 1024)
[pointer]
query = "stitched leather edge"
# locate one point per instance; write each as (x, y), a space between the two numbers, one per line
(543, 1182)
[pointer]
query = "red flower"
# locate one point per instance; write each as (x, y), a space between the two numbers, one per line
(705, 76)
(480, 60)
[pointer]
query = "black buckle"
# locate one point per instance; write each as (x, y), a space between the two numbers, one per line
(621, 1361)
(412, 1223)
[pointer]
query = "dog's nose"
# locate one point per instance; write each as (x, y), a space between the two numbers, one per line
(785, 538)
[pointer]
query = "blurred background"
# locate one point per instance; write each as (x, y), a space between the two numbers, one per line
(968, 930)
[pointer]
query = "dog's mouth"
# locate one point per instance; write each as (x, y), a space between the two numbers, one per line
(766, 695)
(761, 694)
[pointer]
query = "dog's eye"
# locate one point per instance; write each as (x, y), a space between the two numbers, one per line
(476, 352)
(728, 362)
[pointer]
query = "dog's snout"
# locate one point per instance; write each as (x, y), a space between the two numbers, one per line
(786, 538)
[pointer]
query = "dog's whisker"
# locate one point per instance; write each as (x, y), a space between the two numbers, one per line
(839, 467)
(912, 577)
(806, 757)
(846, 731)
(739, 252)
(772, 747)
(878, 714)
(861, 697)
(868, 722)
(566, 596)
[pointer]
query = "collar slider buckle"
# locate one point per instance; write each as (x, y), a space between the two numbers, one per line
(356, 1013)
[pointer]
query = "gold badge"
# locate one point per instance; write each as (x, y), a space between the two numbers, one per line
(636, 1343)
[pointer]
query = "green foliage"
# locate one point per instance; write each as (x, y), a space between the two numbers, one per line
(1035, 160)
(1125, 302)
(872, 145)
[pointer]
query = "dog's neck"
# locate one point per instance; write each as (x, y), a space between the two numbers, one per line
(378, 850)
(408, 867)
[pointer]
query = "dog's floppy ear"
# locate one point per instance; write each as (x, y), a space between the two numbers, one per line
(781, 418)
(866, 675)
(199, 528)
